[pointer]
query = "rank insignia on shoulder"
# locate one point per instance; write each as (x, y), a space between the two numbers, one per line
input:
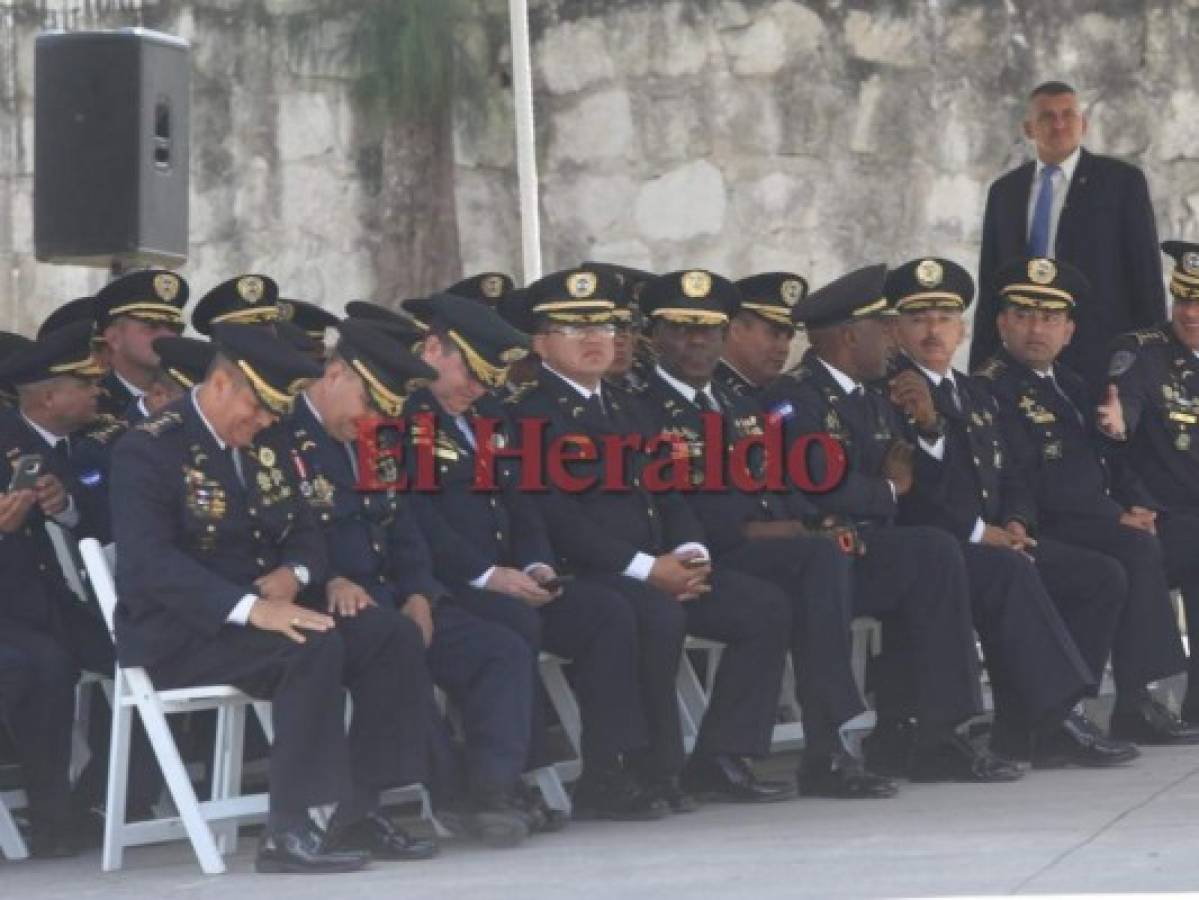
(161, 423)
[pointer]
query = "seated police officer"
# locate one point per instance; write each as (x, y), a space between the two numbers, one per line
(131, 312)
(649, 548)
(760, 533)
(758, 342)
(1084, 499)
(48, 633)
(1154, 417)
(379, 557)
(966, 485)
(912, 578)
(218, 561)
(491, 549)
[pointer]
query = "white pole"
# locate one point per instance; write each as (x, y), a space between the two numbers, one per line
(526, 140)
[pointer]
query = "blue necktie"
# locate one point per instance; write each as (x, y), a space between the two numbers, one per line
(1038, 234)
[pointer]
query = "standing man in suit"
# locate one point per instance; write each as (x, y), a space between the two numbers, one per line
(1092, 211)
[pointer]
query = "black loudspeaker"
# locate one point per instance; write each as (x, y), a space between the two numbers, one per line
(110, 177)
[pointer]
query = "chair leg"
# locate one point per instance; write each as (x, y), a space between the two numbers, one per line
(113, 854)
(693, 701)
(552, 790)
(180, 786)
(225, 770)
(563, 700)
(12, 845)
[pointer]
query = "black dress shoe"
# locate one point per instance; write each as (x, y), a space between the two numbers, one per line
(377, 835)
(615, 795)
(1010, 742)
(1077, 741)
(540, 817)
(730, 779)
(888, 748)
(667, 789)
(842, 777)
(956, 759)
(304, 849)
(53, 842)
(1152, 723)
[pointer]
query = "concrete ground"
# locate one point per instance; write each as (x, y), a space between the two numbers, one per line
(1135, 829)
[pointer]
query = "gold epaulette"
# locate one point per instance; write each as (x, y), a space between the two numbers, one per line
(991, 369)
(161, 423)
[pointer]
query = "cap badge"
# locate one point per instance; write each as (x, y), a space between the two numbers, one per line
(581, 284)
(696, 284)
(492, 287)
(791, 290)
(1041, 271)
(250, 288)
(930, 273)
(166, 287)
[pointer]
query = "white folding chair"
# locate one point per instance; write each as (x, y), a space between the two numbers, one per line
(12, 845)
(134, 692)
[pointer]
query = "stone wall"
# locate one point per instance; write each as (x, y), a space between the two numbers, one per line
(737, 134)
(748, 135)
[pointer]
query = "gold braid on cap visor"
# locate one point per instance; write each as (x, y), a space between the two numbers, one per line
(492, 376)
(387, 402)
(268, 313)
(1038, 302)
(684, 316)
(88, 367)
(149, 311)
(1184, 286)
(182, 379)
(277, 401)
(777, 314)
(930, 300)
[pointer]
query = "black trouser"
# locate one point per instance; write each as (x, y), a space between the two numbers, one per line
(377, 655)
(40, 704)
(752, 618)
(1179, 535)
(1146, 644)
(487, 670)
(914, 580)
(593, 627)
(814, 575)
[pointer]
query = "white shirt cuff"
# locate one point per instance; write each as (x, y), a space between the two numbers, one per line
(481, 581)
(640, 566)
(894, 492)
(980, 528)
(935, 449)
(240, 614)
(69, 517)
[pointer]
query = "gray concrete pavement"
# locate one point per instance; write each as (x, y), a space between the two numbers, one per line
(1072, 832)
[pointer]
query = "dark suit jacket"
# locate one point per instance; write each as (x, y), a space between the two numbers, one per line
(470, 530)
(33, 584)
(190, 539)
(808, 400)
(372, 537)
(721, 513)
(1107, 230)
(601, 530)
(1072, 471)
(974, 479)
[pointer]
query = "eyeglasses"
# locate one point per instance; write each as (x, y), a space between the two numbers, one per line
(580, 331)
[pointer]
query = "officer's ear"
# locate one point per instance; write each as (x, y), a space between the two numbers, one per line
(1069, 330)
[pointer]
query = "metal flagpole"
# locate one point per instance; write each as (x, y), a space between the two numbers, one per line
(526, 140)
